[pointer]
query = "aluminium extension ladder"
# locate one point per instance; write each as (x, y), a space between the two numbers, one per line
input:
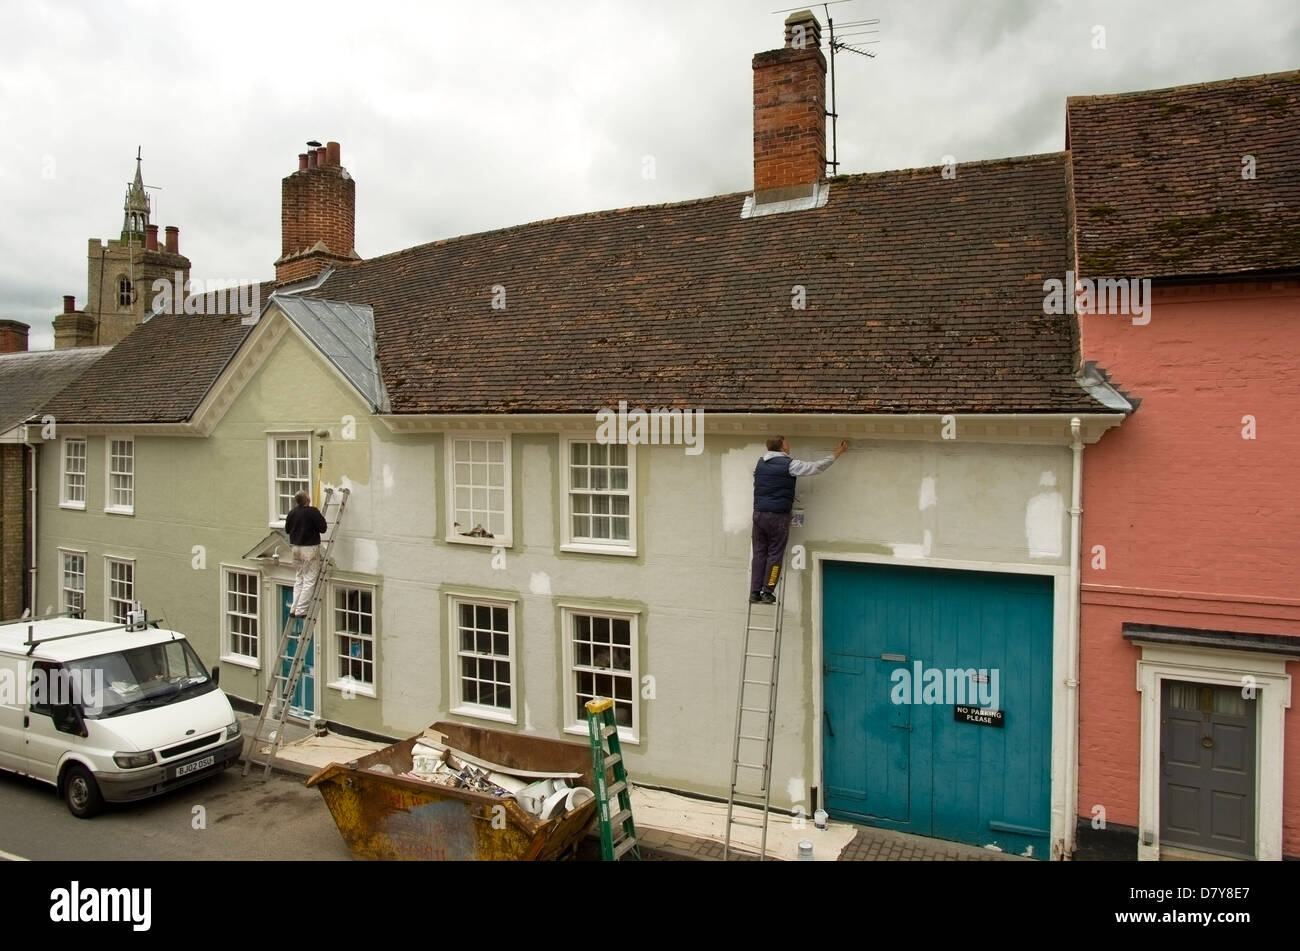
(602, 728)
(295, 639)
(760, 667)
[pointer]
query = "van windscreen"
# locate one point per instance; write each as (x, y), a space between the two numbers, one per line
(139, 678)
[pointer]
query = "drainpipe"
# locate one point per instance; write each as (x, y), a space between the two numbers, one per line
(1072, 645)
(31, 524)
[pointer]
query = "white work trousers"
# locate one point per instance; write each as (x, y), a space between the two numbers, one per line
(306, 569)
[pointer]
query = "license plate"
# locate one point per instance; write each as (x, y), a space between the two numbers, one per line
(195, 766)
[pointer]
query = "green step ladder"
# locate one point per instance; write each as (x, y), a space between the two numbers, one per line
(603, 729)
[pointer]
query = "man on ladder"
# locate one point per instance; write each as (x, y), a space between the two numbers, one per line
(304, 525)
(774, 479)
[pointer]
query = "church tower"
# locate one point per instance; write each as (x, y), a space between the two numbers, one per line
(120, 275)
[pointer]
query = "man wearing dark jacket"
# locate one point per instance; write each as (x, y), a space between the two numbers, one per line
(774, 479)
(304, 525)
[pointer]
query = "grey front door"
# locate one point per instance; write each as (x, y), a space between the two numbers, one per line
(1207, 759)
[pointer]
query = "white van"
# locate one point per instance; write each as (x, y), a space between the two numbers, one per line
(109, 712)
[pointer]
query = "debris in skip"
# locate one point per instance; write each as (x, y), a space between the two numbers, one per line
(458, 792)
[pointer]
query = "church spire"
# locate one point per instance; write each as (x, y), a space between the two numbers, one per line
(136, 207)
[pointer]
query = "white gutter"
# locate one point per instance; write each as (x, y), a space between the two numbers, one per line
(1072, 646)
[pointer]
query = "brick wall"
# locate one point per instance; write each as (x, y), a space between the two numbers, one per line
(1200, 526)
(13, 533)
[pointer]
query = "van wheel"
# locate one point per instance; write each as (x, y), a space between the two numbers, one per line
(81, 792)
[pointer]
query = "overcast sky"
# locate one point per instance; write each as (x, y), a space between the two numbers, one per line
(458, 118)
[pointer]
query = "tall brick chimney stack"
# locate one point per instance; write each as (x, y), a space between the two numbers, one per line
(13, 336)
(790, 114)
(317, 216)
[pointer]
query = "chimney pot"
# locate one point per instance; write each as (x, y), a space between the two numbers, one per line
(311, 159)
(69, 303)
(302, 161)
(333, 154)
(320, 157)
(173, 239)
(151, 237)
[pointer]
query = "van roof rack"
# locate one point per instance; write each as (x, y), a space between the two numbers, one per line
(137, 620)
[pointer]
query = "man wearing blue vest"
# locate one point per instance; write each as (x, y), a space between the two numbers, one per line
(774, 478)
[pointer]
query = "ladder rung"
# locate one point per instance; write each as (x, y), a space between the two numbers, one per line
(747, 822)
(764, 656)
(746, 736)
(613, 789)
(755, 709)
(613, 758)
(624, 846)
(750, 765)
(618, 818)
(759, 683)
(761, 630)
(607, 731)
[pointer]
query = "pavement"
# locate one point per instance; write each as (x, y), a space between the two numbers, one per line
(684, 828)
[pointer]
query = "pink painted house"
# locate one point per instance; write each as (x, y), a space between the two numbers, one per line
(1189, 740)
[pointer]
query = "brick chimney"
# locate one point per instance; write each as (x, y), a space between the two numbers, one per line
(317, 216)
(790, 114)
(13, 336)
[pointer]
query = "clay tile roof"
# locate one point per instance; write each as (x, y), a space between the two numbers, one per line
(1158, 179)
(923, 294)
(28, 379)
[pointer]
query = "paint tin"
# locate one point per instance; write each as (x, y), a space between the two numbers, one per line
(805, 851)
(819, 818)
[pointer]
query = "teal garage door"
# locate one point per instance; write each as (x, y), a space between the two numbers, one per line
(908, 756)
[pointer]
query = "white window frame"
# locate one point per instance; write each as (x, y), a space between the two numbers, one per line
(504, 540)
(63, 574)
(276, 520)
(109, 561)
(65, 500)
(569, 610)
(109, 506)
(338, 680)
(460, 705)
(228, 653)
(600, 546)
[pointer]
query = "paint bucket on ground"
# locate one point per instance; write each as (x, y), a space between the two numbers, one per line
(805, 851)
(819, 819)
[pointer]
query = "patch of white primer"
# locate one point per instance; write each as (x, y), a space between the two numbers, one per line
(794, 788)
(928, 496)
(738, 488)
(915, 551)
(528, 718)
(365, 556)
(1044, 518)
(540, 583)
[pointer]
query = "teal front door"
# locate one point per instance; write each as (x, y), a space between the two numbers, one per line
(910, 658)
(304, 694)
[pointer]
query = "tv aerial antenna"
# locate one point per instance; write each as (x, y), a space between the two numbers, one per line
(836, 43)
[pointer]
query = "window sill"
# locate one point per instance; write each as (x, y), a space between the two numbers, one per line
(355, 687)
(624, 734)
(499, 541)
(73, 506)
(239, 660)
(485, 713)
(119, 511)
(590, 549)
